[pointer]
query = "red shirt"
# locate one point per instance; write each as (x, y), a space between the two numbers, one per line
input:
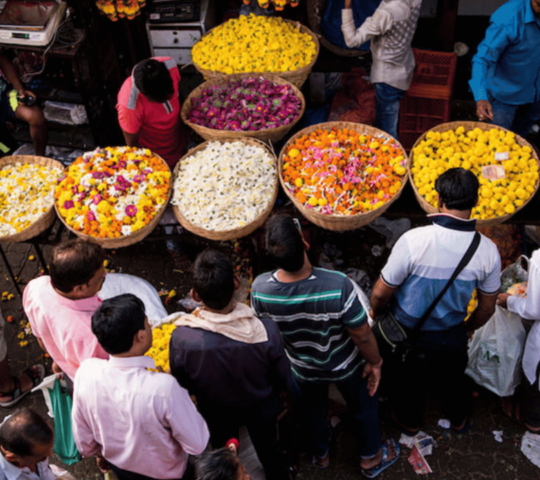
(158, 124)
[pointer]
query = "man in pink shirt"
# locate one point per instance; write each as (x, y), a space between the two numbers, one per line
(59, 307)
(149, 109)
(139, 423)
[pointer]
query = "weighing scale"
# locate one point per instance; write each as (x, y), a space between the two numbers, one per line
(30, 22)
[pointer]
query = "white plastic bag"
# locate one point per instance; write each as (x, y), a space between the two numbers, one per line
(495, 353)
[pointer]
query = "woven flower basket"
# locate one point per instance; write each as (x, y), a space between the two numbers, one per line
(235, 232)
(339, 223)
(296, 77)
(125, 240)
(46, 220)
(316, 9)
(265, 135)
(443, 127)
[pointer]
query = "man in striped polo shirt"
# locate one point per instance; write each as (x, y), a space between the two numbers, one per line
(328, 340)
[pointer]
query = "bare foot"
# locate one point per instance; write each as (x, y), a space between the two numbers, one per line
(367, 463)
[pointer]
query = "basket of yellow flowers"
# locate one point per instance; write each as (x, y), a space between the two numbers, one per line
(257, 44)
(505, 164)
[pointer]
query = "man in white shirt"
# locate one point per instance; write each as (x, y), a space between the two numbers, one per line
(141, 424)
(391, 29)
(528, 308)
(26, 441)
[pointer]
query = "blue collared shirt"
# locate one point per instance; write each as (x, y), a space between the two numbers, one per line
(507, 64)
(8, 471)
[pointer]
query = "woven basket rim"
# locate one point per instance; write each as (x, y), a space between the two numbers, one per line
(299, 71)
(125, 240)
(231, 233)
(346, 219)
(470, 125)
(47, 218)
(222, 80)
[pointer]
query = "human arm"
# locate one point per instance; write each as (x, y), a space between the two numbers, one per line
(497, 39)
(528, 307)
(365, 341)
(378, 24)
(82, 431)
(9, 72)
(380, 296)
(482, 313)
(186, 424)
(132, 139)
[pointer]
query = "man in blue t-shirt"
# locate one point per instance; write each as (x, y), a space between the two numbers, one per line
(506, 68)
(421, 263)
(328, 340)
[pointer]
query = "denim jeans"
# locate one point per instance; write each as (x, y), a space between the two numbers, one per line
(311, 399)
(518, 118)
(387, 107)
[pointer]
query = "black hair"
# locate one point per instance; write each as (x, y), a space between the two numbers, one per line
(74, 263)
(116, 322)
(24, 429)
(458, 189)
(213, 279)
(154, 80)
(284, 243)
(220, 464)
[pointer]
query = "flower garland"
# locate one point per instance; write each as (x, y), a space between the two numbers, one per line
(254, 44)
(225, 186)
(112, 192)
(115, 9)
(506, 171)
(26, 193)
(342, 172)
(245, 104)
(161, 337)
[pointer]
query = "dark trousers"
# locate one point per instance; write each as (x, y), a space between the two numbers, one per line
(311, 399)
(442, 370)
(127, 475)
(261, 423)
(531, 400)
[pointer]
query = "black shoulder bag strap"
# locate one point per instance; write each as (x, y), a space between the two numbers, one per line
(462, 264)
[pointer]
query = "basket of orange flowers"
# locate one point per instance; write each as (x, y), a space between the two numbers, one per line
(342, 176)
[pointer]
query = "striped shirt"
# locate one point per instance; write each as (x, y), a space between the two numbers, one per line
(313, 315)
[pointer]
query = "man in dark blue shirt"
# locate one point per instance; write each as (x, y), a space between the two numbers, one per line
(506, 69)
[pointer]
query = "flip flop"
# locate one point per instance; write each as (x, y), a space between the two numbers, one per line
(385, 463)
(36, 375)
(465, 429)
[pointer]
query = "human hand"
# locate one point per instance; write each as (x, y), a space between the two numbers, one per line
(348, 4)
(373, 373)
(484, 110)
(103, 465)
(502, 299)
(57, 370)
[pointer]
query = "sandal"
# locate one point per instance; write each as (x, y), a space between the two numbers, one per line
(321, 462)
(35, 374)
(385, 463)
(465, 429)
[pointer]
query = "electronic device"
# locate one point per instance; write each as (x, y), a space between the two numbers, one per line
(174, 11)
(30, 22)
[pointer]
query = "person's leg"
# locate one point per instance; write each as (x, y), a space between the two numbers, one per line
(503, 114)
(364, 412)
(261, 423)
(526, 117)
(530, 410)
(311, 401)
(387, 107)
(408, 390)
(38, 128)
(446, 370)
